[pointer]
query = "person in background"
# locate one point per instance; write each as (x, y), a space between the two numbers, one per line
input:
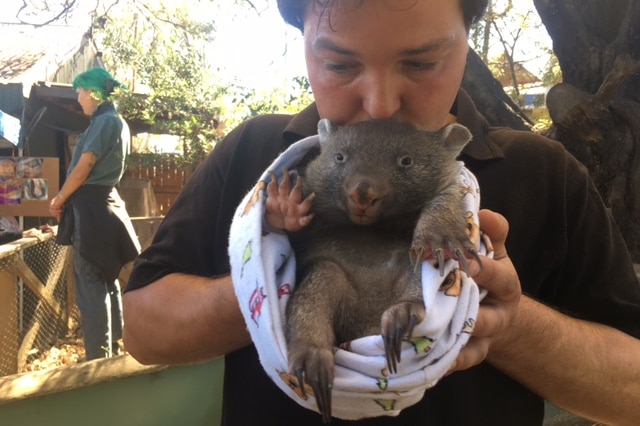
(561, 320)
(93, 217)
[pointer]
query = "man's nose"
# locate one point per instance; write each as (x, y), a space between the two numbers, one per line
(381, 97)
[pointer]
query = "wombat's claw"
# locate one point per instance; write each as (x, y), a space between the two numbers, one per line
(392, 351)
(476, 256)
(300, 376)
(322, 391)
(461, 258)
(286, 178)
(314, 366)
(398, 322)
(393, 344)
(457, 253)
(439, 255)
(415, 255)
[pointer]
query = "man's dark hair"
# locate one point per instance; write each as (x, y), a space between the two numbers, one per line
(293, 11)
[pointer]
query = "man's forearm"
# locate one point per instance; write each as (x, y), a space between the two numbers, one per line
(182, 318)
(586, 368)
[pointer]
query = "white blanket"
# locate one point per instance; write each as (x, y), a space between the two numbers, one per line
(263, 273)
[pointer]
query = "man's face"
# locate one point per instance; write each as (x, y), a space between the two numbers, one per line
(87, 101)
(386, 59)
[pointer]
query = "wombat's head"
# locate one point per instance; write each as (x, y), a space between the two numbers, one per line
(374, 169)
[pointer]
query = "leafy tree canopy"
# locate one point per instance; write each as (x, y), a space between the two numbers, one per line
(161, 51)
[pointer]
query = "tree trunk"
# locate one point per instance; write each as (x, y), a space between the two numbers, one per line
(596, 110)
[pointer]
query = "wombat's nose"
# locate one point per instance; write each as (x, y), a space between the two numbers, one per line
(364, 195)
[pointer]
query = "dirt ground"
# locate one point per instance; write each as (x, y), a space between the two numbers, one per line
(68, 350)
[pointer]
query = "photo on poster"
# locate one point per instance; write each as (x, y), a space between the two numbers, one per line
(26, 185)
(10, 192)
(35, 189)
(29, 167)
(7, 167)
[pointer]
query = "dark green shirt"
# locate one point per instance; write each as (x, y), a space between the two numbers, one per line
(108, 138)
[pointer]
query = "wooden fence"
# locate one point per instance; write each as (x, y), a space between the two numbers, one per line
(165, 175)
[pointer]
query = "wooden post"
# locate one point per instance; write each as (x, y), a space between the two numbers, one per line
(8, 314)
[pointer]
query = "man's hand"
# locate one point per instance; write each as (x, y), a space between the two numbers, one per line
(500, 305)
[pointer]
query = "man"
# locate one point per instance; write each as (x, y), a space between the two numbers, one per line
(405, 60)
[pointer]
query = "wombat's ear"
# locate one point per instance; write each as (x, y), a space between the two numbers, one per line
(455, 136)
(325, 128)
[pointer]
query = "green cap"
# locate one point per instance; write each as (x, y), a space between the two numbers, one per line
(97, 79)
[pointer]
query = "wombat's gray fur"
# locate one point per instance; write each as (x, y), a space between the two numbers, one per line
(386, 197)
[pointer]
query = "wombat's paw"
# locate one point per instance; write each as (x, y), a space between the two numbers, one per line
(315, 366)
(285, 208)
(397, 322)
(441, 248)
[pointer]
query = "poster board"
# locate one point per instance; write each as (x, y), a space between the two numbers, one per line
(27, 185)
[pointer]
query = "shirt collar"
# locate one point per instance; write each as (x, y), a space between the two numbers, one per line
(103, 108)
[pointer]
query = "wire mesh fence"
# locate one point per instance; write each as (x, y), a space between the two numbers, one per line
(36, 300)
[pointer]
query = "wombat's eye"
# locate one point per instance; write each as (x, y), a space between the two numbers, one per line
(405, 161)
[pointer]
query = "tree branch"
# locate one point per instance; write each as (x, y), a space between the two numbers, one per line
(623, 67)
(68, 6)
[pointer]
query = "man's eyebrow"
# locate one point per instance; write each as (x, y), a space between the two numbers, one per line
(431, 46)
(323, 43)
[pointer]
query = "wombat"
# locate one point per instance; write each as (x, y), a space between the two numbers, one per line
(377, 199)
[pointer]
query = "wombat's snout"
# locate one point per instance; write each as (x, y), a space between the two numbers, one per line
(365, 198)
(364, 195)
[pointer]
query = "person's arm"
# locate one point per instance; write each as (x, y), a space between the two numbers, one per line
(586, 368)
(76, 178)
(183, 318)
(9, 236)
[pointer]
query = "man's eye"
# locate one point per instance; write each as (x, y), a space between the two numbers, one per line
(420, 66)
(338, 67)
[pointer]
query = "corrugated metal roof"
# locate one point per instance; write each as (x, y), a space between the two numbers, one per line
(30, 54)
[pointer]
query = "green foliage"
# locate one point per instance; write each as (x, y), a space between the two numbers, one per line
(159, 52)
(553, 72)
(292, 97)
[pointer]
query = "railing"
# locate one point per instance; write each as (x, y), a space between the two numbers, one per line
(36, 300)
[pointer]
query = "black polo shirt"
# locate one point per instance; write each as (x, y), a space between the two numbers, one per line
(564, 245)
